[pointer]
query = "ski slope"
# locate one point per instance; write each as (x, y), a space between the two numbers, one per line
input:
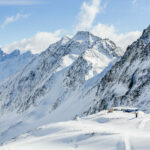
(101, 131)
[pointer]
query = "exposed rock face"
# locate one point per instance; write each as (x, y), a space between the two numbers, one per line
(57, 72)
(73, 77)
(128, 82)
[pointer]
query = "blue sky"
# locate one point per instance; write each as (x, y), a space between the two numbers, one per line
(34, 24)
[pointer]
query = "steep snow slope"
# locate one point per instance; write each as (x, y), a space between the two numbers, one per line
(75, 77)
(13, 62)
(56, 86)
(128, 82)
(51, 76)
(101, 131)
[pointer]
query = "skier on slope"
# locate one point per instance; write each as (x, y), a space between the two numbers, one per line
(136, 114)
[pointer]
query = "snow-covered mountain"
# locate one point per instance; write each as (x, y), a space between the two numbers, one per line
(1, 53)
(75, 77)
(62, 68)
(57, 85)
(128, 82)
(13, 62)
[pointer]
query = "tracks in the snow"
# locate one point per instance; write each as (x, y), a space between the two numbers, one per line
(127, 143)
(124, 144)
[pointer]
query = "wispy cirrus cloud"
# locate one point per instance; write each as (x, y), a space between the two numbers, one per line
(20, 2)
(87, 14)
(12, 19)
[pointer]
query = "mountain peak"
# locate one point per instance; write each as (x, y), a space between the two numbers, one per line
(146, 35)
(28, 53)
(85, 37)
(64, 40)
(15, 53)
(86, 33)
(1, 53)
(80, 35)
(147, 29)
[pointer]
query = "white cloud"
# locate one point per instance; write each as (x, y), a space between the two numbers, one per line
(36, 44)
(121, 39)
(19, 2)
(86, 17)
(87, 14)
(12, 19)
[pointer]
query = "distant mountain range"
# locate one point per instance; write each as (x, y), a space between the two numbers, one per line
(13, 62)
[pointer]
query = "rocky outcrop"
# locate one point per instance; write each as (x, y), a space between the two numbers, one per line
(128, 82)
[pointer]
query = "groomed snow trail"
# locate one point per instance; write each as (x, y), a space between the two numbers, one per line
(101, 131)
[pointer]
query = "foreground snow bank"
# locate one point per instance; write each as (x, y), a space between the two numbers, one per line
(101, 131)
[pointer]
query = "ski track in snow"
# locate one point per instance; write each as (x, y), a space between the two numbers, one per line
(102, 131)
(124, 143)
(127, 142)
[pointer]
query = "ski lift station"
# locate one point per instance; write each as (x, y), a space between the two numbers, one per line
(124, 109)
